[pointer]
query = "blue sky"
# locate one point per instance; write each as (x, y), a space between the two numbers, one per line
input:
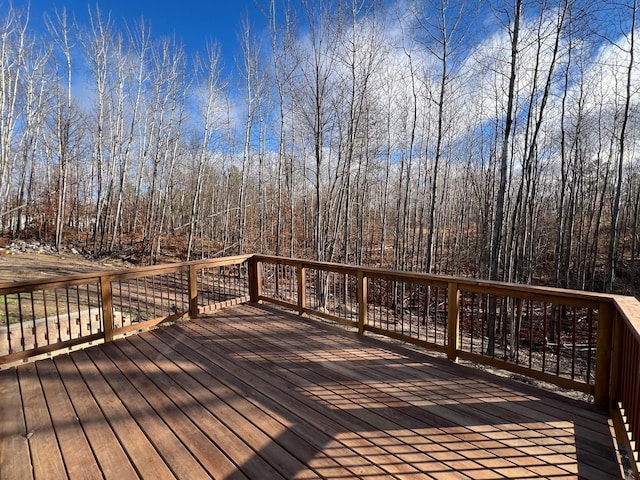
(194, 22)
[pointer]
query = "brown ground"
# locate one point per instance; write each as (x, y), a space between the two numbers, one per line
(28, 266)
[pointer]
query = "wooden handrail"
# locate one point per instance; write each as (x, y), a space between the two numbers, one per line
(40, 316)
(606, 389)
(575, 297)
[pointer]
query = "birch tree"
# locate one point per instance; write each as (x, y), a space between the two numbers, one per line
(209, 93)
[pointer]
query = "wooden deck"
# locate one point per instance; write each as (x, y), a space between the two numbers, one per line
(251, 392)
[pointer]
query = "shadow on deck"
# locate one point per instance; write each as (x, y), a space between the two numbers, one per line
(252, 392)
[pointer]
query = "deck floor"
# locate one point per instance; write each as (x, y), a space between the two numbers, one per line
(251, 392)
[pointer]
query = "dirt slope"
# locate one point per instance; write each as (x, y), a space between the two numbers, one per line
(27, 266)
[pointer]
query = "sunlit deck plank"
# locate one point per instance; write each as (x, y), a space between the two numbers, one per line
(105, 445)
(145, 459)
(15, 461)
(79, 461)
(46, 457)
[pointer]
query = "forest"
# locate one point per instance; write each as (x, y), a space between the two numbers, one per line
(493, 139)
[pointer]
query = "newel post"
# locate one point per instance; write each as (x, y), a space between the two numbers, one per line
(107, 307)
(606, 319)
(302, 289)
(616, 360)
(255, 288)
(453, 321)
(193, 291)
(363, 284)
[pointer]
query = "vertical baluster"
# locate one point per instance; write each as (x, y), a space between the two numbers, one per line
(382, 285)
(165, 301)
(203, 289)
(99, 307)
(184, 292)
(21, 320)
(89, 310)
(129, 302)
(409, 307)
(544, 336)
(153, 296)
(163, 287)
(146, 299)
(33, 318)
(418, 303)
(558, 333)
(573, 343)
(531, 339)
(79, 321)
(482, 316)
(388, 303)
(6, 312)
(516, 332)
(589, 344)
(461, 317)
(177, 306)
(57, 301)
(436, 314)
(46, 317)
(632, 405)
(504, 314)
(66, 289)
(138, 310)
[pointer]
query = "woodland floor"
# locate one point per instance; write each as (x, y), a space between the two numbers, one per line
(27, 266)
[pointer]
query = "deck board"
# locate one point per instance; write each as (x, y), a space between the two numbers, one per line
(252, 392)
(15, 460)
(144, 458)
(154, 385)
(76, 452)
(108, 451)
(46, 457)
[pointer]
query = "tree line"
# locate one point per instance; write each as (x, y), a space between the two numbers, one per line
(495, 139)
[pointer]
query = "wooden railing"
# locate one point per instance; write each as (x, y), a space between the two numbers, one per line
(578, 340)
(41, 316)
(625, 375)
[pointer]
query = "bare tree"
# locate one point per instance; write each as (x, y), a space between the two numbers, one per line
(621, 147)
(317, 63)
(210, 92)
(60, 31)
(13, 49)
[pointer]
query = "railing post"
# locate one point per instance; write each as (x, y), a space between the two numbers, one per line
(107, 307)
(606, 318)
(616, 359)
(302, 291)
(453, 321)
(363, 284)
(255, 288)
(193, 291)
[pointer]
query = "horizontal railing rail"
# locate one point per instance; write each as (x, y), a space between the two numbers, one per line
(584, 341)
